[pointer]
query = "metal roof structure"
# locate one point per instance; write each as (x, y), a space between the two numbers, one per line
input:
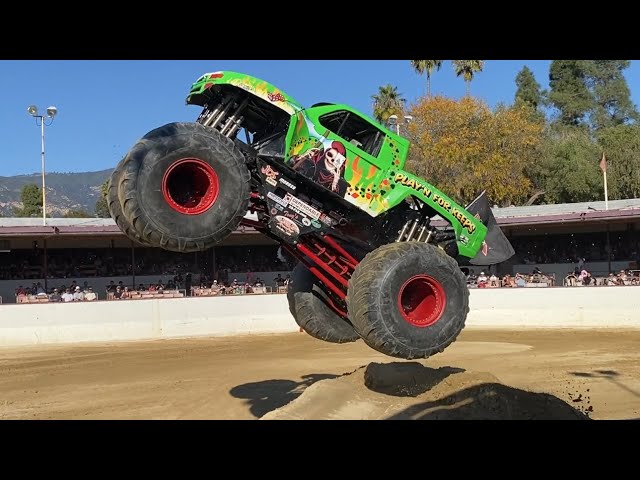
(508, 216)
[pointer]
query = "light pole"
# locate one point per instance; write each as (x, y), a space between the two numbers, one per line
(51, 113)
(407, 118)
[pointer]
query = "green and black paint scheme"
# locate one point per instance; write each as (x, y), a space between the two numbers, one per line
(330, 171)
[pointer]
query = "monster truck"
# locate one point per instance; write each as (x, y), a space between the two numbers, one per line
(379, 250)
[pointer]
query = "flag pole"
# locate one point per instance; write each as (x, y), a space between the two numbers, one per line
(603, 167)
(606, 193)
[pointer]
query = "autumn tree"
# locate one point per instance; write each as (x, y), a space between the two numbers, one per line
(102, 208)
(463, 147)
(621, 146)
(426, 67)
(467, 70)
(31, 196)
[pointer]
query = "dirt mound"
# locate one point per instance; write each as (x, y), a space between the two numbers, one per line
(411, 391)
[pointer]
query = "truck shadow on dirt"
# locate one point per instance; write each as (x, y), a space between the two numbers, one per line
(456, 400)
(267, 395)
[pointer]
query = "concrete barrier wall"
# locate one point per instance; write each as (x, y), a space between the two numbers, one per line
(598, 307)
(601, 307)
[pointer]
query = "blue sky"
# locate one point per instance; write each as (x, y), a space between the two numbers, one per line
(104, 106)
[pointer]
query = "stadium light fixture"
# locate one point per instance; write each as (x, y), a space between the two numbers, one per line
(40, 121)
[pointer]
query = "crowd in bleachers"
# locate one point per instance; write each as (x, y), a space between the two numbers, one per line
(63, 264)
(175, 287)
(579, 277)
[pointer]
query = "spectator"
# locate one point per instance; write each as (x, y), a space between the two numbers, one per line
(78, 295)
(55, 296)
(90, 296)
(118, 293)
(142, 288)
(482, 280)
(67, 296)
(187, 283)
(126, 294)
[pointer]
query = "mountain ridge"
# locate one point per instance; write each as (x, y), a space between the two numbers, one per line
(65, 191)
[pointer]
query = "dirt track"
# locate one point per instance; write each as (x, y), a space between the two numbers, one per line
(597, 372)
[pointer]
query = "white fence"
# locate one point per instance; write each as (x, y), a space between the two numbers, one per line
(604, 307)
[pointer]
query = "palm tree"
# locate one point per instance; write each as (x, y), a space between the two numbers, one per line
(426, 66)
(388, 101)
(467, 69)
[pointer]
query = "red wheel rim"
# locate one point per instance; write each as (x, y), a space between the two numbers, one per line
(421, 301)
(190, 186)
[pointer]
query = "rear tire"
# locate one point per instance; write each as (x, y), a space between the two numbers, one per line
(408, 300)
(308, 305)
(184, 187)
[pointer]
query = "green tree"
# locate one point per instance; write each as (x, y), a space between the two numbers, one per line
(467, 70)
(427, 67)
(570, 159)
(102, 208)
(610, 91)
(77, 213)
(31, 196)
(388, 101)
(528, 93)
(569, 92)
(621, 145)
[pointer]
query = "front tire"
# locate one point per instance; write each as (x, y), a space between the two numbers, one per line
(184, 187)
(408, 300)
(115, 207)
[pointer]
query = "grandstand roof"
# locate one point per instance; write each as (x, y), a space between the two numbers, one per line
(567, 212)
(531, 215)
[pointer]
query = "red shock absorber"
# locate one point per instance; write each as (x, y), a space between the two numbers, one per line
(329, 262)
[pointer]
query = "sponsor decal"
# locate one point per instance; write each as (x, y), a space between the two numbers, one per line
(293, 216)
(467, 224)
(464, 239)
(270, 174)
(281, 201)
(464, 221)
(485, 248)
(316, 224)
(306, 222)
(327, 220)
(287, 183)
(287, 226)
(299, 206)
(274, 211)
(413, 184)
